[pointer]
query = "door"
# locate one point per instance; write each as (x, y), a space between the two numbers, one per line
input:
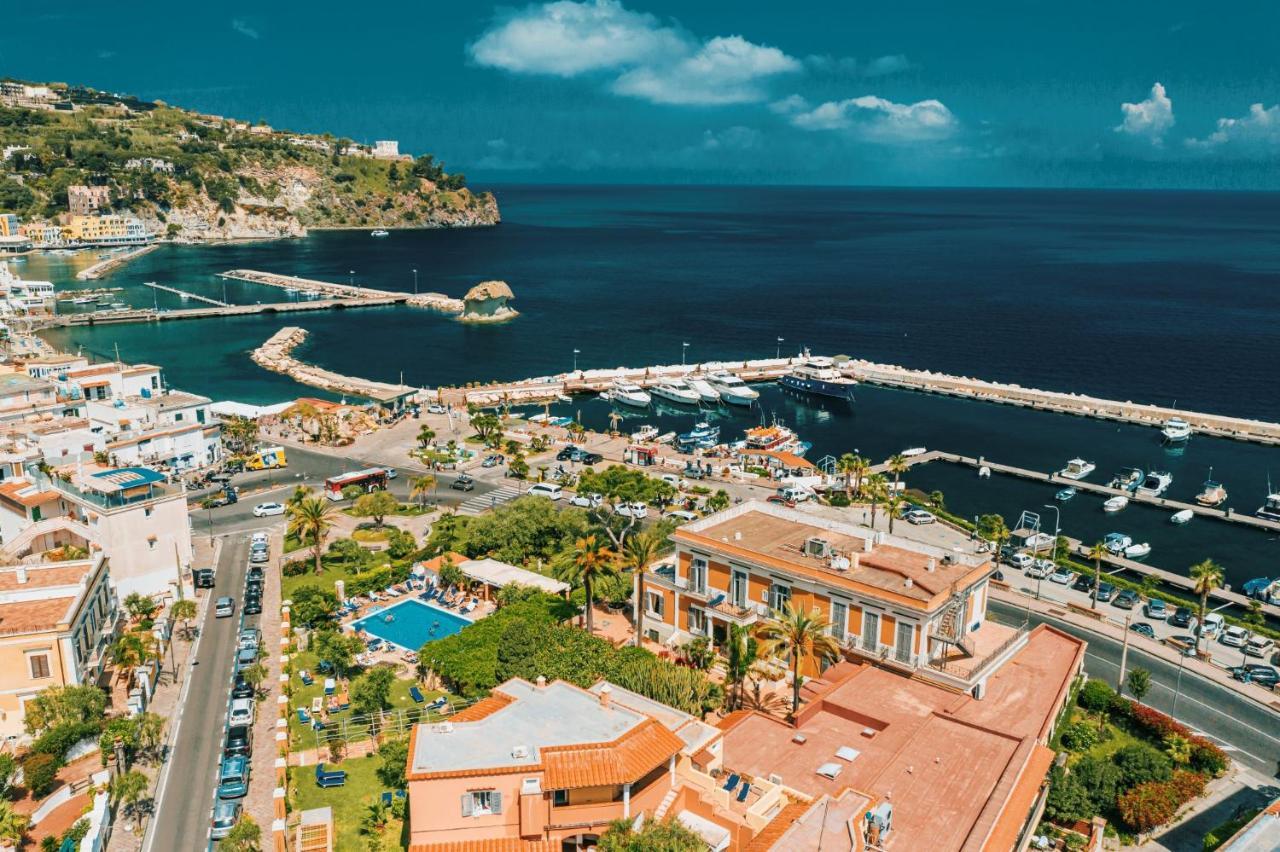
(738, 589)
(903, 641)
(870, 630)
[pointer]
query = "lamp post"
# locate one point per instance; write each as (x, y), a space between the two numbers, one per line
(1177, 687)
(575, 359)
(684, 348)
(778, 354)
(352, 279)
(415, 282)
(1057, 530)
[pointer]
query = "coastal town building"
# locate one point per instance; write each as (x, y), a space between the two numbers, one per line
(9, 225)
(12, 239)
(170, 429)
(44, 234)
(24, 297)
(386, 149)
(153, 164)
(53, 364)
(24, 398)
(57, 620)
(83, 200)
(109, 230)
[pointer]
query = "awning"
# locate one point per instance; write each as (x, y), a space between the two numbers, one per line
(494, 573)
(715, 835)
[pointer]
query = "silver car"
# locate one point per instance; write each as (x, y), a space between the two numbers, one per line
(225, 816)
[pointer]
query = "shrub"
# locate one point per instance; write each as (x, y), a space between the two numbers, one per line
(1096, 696)
(1101, 779)
(1141, 764)
(58, 741)
(1154, 803)
(1080, 736)
(40, 773)
(1068, 800)
(1207, 757)
(295, 568)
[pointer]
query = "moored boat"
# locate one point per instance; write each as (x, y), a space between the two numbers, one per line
(379, 233)
(1115, 543)
(1066, 494)
(1137, 551)
(1176, 430)
(1156, 483)
(776, 438)
(629, 393)
(732, 389)
(818, 375)
(705, 391)
(1213, 494)
(645, 434)
(1077, 468)
(675, 390)
(1115, 504)
(1182, 517)
(703, 436)
(1127, 479)
(1270, 508)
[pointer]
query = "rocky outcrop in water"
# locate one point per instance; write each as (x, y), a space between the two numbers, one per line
(487, 302)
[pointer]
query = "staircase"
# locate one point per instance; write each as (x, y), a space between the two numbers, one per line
(950, 627)
(21, 543)
(665, 804)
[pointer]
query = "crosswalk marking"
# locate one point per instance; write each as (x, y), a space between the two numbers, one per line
(476, 505)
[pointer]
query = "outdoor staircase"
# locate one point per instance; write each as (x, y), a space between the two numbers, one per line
(665, 804)
(20, 544)
(950, 627)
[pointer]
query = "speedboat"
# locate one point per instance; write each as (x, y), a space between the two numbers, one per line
(379, 233)
(676, 390)
(819, 376)
(1077, 468)
(1137, 551)
(1066, 494)
(1259, 588)
(629, 393)
(1127, 479)
(732, 389)
(1115, 504)
(1156, 483)
(703, 436)
(1213, 493)
(1176, 430)
(1116, 543)
(705, 391)
(84, 300)
(1182, 517)
(1270, 508)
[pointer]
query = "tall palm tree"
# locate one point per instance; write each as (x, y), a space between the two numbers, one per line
(875, 489)
(847, 464)
(425, 436)
(892, 506)
(421, 486)
(898, 466)
(312, 517)
(637, 553)
(798, 636)
(1096, 553)
(590, 561)
(1208, 576)
(127, 653)
(741, 653)
(13, 825)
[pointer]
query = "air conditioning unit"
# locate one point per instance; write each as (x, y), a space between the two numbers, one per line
(444, 728)
(519, 752)
(818, 547)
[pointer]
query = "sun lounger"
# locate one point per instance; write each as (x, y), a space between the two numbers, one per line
(732, 783)
(742, 794)
(330, 685)
(438, 703)
(374, 644)
(416, 695)
(303, 716)
(392, 591)
(307, 680)
(409, 657)
(386, 798)
(330, 778)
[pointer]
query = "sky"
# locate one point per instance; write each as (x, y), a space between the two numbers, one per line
(1175, 94)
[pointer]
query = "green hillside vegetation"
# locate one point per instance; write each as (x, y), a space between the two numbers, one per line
(223, 178)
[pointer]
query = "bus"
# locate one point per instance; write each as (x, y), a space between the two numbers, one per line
(370, 479)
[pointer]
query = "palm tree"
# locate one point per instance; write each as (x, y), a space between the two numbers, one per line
(1208, 576)
(425, 436)
(312, 517)
(637, 553)
(421, 486)
(718, 501)
(299, 494)
(741, 653)
(1096, 553)
(898, 466)
(800, 637)
(876, 489)
(183, 610)
(129, 789)
(854, 467)
(128, 652)
(892, 506)
(589, 562)
(13, 825)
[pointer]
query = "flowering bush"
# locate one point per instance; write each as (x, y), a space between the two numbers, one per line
(1151, 805)
(1206, 757)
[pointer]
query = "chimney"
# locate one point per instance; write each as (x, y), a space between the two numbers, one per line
(606, 692)
(933, 565)
(908, 582)
(737, 535)
(21, 575)
(542, 681)
(866, 544)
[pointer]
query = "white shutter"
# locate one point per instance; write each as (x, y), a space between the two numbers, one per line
(496, 798)
(467, 804)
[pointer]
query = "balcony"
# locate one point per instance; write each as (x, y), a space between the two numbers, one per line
(898, 658)
(992, 645)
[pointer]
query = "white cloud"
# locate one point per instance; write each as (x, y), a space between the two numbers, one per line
(1259, 131)
(736, 138)
(885, 65)
(728, 70)
(568, 38)
(1151, 118)
(873, 118)
(848, 66)
(652, 60)
(241, 26)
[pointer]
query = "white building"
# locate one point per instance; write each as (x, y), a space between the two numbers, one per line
(170, 428)
(152, 163)
(386, 149)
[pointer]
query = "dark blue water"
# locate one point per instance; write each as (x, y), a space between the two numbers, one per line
(1147, 296)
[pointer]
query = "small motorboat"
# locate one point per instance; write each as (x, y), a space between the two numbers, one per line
(1116, 543)
(379, 232)
(1156, 483)
(1213, 494)
(705, 391)
(913, 451)
(703, 436)
(1137, 551)
(1176, 430)
(1270, 508)
(1066, 494)
(1182, 517)
(644, 434)
(984, 472)
(1115, 504)
(1077, 468)
(1127, 479)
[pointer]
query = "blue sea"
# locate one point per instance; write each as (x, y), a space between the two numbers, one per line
(1163, 297)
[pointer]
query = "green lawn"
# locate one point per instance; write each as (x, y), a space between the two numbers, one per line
(331, 569)
(405, 510)
(350, 803)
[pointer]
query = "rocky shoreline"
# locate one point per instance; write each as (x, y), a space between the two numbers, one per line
(276, 355)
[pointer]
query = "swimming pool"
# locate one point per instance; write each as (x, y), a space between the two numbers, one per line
(413, 623)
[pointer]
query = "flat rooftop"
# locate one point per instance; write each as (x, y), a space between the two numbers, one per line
(776, 536)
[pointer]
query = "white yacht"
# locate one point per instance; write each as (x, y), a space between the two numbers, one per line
(1115, 504)
(1077, 469)
(1116, 543)
(1156, 483)
(629, 393)
(1270, 508)
(379, 233)
(1176, 430)
(1137, 551)
(1182, 517)
(732, 389)
(676, 390)
(704, 390)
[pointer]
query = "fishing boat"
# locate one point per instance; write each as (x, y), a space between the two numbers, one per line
(984, 472)
(1116, 543)
(644, 434)
(911, 452)
(1156, 483)
(1077, 469)
(629, 393)
(819, 376)
(1066, 494)
(732, 389)
(1127, 479)
(84, 300)
(1182, 517)
(1176, 430)
(1137, 551)
(379, 233)
(1270, 508)
(676, 390)
(775, 438)
(1213, 493)
(703, 436)
(1115, 504)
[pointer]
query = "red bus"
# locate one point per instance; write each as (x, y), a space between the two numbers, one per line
(370, 479)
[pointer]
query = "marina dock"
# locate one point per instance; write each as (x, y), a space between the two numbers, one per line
(184, 294)
(114, 262)
(148, 315)
(431, 301)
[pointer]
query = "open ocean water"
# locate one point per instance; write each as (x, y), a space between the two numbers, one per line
(1150, 296)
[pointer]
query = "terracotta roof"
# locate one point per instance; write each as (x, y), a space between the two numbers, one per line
(777, 827)
(436, 563)
(12, 490)
(493, 844)
(45, 575)
(788, 459)
(483, 707)
(626, 759)
(33, 616)
(1004, 834)
(731, 721)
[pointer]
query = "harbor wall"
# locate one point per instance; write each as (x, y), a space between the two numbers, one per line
(112, 263)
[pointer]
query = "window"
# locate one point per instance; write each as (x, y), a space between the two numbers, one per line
(146, 513)
(839, 620)
(698, 576)
(559, 797)
(903, 643)
(655, 604)
(871, 630)
(779, 596)
(39, 665)
(738, 588)
(697, 621)
(481, 803)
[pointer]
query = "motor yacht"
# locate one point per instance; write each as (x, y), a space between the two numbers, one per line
(1127, 479)
(1115, 543)
(1115, 504)
(732, 389)
(819, 376)
(1176, 430)
(676, 390)
(1137, 551)
(1182, 517)
(703, 436)
(776, 438)
(1077, 469)
(629, 393)
(1213, 494)
(705, 391)
(379, 233)
(1156, 483)
(1270, 508)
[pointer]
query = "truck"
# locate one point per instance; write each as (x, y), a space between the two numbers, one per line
(267, 458)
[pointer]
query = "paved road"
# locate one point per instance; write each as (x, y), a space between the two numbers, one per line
(186, 803)
(1248, 732)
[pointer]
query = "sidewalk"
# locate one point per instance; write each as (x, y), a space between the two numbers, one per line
(259, 804)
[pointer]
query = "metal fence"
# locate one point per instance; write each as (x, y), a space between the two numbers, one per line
(356, 727)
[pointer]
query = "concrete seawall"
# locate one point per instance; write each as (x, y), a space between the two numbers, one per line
(276, 355)
(114, 262)
(431, 301)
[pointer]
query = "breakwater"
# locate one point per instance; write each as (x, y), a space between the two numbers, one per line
(138, 315)
(114, 262)
(430, 301)
(277, 355)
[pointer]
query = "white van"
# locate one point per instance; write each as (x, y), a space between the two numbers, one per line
(793, 494)
(547, 489)
(1259, 646)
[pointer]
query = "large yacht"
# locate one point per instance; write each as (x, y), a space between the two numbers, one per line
(1176, 430)
(676, 390)
(629, 393)
(818, 375)
(732, 389)
(705, 391)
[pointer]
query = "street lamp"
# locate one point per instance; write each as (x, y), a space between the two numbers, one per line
(778, 354)
(1057, 530)
(684, 348)
(352, 273)
(415, 282)
(575, 359)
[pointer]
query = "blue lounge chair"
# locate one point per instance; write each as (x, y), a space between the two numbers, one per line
(303, 716)
(416, 695)
(400, 794)
(386, 798)
(330, 778)
(438, 703)
(742, 794)
(307, 679)
(732, 782)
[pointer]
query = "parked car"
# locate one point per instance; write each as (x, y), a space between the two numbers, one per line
(780, 500)
(1083, 583)
(589, 458)
(242, 688)
(1212, 626)
(463, 482)
(1144, 629)
(1155, 609)
(246, 657)
(203, 578)
(1062, 576)
(586, 501)
(233, 778)
(253, 606)
(920, 516)
(1127, 599)
(1255, 673)
(489, 461)
(1236, 637)
(224, 607)
(1184, 644)
(1021, 560)
(436, 408)
(1259, 646)
(250, 637)
(225, 817)
(239, 741)
(263, 510)
(1039, 570)
(1182, 617)
(241, 712)
(632, 510)
(255, 573)
(569, 453)
(258, 537)
(682, 515)
(547, 489)
(259, 556)
(693, 471)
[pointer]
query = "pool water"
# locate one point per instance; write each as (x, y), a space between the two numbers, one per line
(413, 624)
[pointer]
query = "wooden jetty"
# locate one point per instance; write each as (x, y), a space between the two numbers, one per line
(112, 263)
(184, 294)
